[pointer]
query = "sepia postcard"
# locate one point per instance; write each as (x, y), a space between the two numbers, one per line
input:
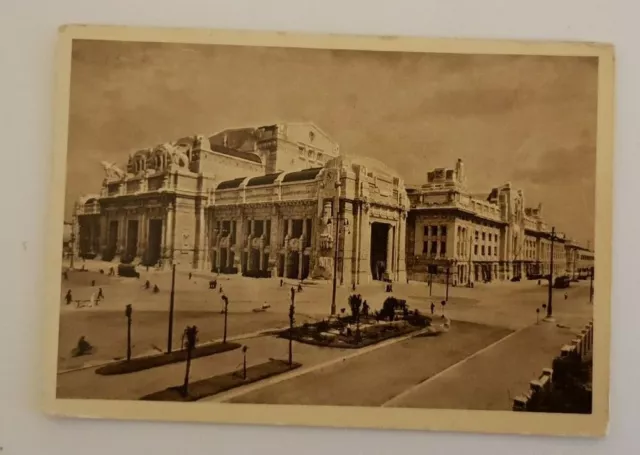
(336, 231)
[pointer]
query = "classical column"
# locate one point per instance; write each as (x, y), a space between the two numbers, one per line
(170, 234)
(401, 270)
(390, 243)
(205, 240)
(364, 266)
(274, 243)
(357, 238)
(287, 236)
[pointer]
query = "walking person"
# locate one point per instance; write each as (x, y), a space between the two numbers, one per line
(100, 294)
(433, 307)
(68, 297)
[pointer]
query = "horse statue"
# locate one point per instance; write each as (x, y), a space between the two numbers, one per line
(112, 171)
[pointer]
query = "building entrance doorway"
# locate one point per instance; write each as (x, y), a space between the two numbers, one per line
(293, 265)
(132, 239)
(379, 250)
(154, 247)
(113, 237)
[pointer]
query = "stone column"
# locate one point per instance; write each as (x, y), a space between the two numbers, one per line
(287, 236)
(364, 266)
(389, 259)
(357, 237)
(170, 234)
(401, 270)
(438, 234)
(274, 243)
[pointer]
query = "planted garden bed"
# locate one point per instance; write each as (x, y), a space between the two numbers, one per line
(217, 384)
(145, 363)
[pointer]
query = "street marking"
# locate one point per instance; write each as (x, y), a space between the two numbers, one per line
(226, 396)
(455, 365)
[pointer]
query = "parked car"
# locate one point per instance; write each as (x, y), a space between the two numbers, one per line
(562, 282)
(128, 270)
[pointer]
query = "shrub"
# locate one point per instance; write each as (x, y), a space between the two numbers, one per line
(322, 326)
(389, 308)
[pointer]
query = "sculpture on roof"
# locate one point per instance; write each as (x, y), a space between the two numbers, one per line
(201, 142)
(112, 171)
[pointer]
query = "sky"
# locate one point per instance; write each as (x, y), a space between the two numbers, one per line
(527, 120)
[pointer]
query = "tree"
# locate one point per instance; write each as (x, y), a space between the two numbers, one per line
(189, 342)
(226, 311)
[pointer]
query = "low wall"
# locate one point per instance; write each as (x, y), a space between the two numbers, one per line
(581, 346)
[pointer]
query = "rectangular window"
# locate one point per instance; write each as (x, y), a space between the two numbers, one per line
(434, 231)
(483, 236)
(425, 248)
(495, 250)
(443, 231)
(443, 248)
(475, 250)
(482, 250)
(426, 231)
(433, 248)
(477, 236)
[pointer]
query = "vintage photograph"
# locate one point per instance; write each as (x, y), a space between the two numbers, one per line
(399, 229)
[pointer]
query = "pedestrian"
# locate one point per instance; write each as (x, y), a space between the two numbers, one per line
(365, 309)
(566, 296)
(65, 275)
(299, 287)
(93, 283)
(433, 307)
(147, 284)
(281, 282)
(220, 289)
(353, 286)
(68, 297)
(100, 294)
(190, 275)
(156, 289)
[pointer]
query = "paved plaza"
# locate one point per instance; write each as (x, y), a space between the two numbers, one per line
(494, 347)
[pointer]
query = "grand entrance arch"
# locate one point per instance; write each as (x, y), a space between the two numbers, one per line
(379, 256)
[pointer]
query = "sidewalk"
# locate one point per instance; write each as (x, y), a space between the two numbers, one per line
(86, 384)
(492, 378)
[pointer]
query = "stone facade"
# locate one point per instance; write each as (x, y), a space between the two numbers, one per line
(479, 237)
(281, 200)
(285, 224)
(259, 201)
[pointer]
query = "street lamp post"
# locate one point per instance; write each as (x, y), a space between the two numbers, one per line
(336, 243)
(549, 317)
(171, 302)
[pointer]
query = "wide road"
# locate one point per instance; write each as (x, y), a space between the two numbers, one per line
(492, 351)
